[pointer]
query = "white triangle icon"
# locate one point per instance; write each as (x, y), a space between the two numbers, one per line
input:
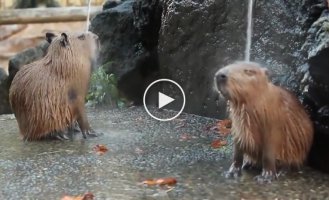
(164, 100)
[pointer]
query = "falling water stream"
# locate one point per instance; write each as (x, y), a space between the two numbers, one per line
(88, 16)
(249, 30)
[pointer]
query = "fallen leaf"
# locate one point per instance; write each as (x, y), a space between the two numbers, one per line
(100, 149)
(87, 196)
(149, 182)
(218, 143)
(166, 181)
(160, 182)
(225, 123)
(224, 126)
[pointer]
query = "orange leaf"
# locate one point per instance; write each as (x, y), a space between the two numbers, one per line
(226, 123)
(100, 149)
(166, 181)
(161, 181)
(88, 196)
(218, 143)
(149, 182)
(224, 126)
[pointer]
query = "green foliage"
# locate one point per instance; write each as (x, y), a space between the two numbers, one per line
(103, 89)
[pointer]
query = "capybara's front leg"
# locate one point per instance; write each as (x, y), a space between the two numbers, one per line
(85, 128)
(82, 119)
(269, 170)
(235, 169)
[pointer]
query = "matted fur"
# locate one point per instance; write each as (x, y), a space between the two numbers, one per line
(265, 116)
(48, 95)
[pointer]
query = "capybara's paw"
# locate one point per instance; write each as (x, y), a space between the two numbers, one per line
(233, 172)
(250, 166)
(266, 177)
(58, 135)
(90, 133)
(247, 165)
(61, 136)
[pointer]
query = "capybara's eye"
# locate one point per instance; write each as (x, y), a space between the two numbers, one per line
(81, 37)
(250, 72)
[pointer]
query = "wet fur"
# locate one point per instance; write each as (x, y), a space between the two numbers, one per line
(48, 95)
(269, 125)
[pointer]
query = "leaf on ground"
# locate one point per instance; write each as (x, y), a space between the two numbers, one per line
(218, 143)
(225, 123)
(224, 126)
(160, 182)
(87, 196)
(100, 149)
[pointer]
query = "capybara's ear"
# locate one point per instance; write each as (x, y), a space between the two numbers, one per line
(50, 37)
(64, 40)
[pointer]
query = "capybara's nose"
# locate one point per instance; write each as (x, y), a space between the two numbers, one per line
(221, 77)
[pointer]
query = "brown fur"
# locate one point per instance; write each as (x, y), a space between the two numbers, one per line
(49, 95)
(269, 125)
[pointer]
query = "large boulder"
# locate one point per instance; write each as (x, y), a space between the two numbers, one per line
(3, 74)
(120, 28)
(4, 101)
(315, 96)
(15, 63)
(198, 37)
(35, 3)
(26, 57)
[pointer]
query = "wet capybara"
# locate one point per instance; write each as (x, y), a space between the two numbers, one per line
(270, 127)
(48, 96)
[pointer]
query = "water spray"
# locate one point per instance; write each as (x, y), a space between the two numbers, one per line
(249, 31)
(88, 16)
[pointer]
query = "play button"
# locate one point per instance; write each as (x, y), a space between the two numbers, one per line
(164, 100)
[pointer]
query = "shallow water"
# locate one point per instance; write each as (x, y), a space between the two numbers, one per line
(139, 148)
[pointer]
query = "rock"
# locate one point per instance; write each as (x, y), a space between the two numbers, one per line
(15, 63)
(34, 3)
(315, 97)
(25, 57)
(111, 4)
(3, 74)
(198, 37)
(4, 100)
(123, 52)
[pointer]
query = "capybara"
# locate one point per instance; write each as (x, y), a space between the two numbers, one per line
(270, 127)
(48, 95)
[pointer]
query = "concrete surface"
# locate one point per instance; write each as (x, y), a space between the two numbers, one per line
(139, 148)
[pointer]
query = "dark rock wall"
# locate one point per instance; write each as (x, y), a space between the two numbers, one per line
(15, 63)
(199, 37)
(278, 37)
(196, 38)
(316, 91)
(128, 34)
(4, 101)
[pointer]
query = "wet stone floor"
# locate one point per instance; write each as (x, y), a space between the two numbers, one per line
(140, 148)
